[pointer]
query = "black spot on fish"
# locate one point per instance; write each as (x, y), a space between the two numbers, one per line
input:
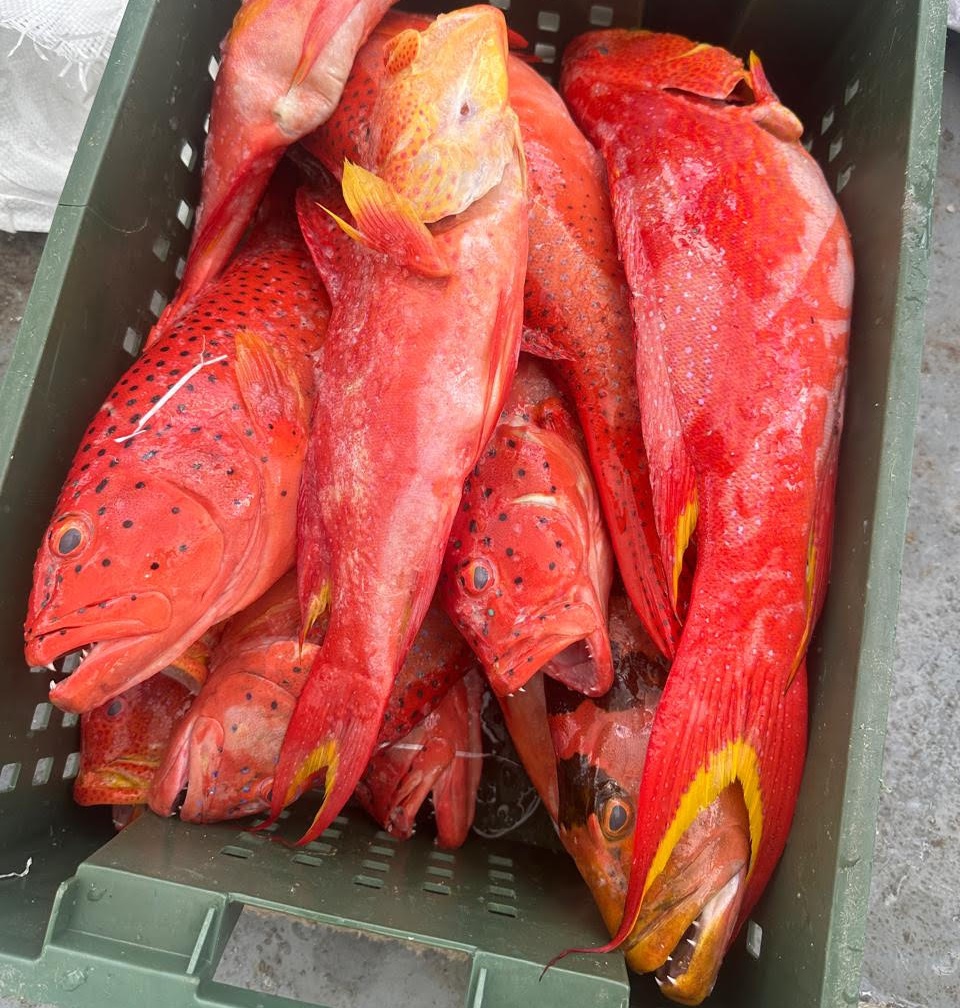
(105, 562)
(558, 543)
(154, 566)
(146, 456)
(473, 525)
(183, 547)
(273, 705)
(551, 565)
(140, 485)
(101, 453)
(101, 486)
(174, 510)
(518, 580)
(249, 697)
(521, 473)
(101, 511)
(502, 516)
(78, 568)
(128, 524)
(511, 443)
(283, 493)
(487, 492)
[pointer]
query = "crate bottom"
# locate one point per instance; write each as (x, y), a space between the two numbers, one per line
(161, 910)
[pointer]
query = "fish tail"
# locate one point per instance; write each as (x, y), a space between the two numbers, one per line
(329, 740)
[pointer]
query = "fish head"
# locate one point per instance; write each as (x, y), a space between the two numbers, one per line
(443, 131)
(527, 571)
(600, 745)
(114, 566)
(123, 741)
(647, 60)
(691, 910)
(220, 762)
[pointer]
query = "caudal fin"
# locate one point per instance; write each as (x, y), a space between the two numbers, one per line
(329, 741)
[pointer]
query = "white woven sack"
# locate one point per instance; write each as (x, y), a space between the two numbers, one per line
(52, 55)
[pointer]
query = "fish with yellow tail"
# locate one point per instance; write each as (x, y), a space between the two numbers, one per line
(409, 389)
(740, 271)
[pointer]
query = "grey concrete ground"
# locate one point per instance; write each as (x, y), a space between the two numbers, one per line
(912, 956)
(913, 947)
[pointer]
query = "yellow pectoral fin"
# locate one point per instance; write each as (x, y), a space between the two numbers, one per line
(316, 607)
(389, 222)
(735, 762)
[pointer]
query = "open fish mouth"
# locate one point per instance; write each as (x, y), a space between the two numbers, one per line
(690, 971)
(576, 651)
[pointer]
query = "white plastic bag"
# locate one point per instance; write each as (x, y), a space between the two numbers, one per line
(52, 56)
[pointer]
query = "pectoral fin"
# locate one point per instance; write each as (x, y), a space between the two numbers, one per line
(388, 222)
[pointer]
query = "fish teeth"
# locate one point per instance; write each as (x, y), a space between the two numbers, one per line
(51, 666)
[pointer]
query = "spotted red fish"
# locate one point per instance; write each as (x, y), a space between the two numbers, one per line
(441, 757)
(577, 312)
(180, 506)
(283, 66)
(409, 388)
(221, 759)
(123, 741)
(527, 571)
(740, 268)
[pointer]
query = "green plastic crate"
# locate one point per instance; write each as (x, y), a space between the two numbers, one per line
(144, 917)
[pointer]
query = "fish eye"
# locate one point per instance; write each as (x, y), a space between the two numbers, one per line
(615, 817)
(69, 537)
(115, 707)
(477, 576)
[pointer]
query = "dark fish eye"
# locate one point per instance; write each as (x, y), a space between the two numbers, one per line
(115, 707)
(477, 576)
(615, 818)
(69, 541)
(70, 536)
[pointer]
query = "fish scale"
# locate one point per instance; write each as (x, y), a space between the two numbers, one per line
(180, 506)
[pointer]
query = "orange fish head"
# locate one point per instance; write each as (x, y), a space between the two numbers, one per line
(443, 128)
(528, 567)
(122, 742)
(600, 745)
(115, 558)
(221, 759)
(692, 908)
(639, 59)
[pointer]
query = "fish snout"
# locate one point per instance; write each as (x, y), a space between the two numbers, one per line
(691, 909)
(53, 634)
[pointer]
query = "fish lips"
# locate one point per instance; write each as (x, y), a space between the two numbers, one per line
(575, 650)
(121, 617)
(124, 781)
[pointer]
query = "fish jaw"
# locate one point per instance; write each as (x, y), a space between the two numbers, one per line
(443, 132)
(691, 910)
(224, 752)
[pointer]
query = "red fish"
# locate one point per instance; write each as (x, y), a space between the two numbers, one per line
(224, 752)
(180, 506)
(527, 572)
(740, 269)
(123, 742)
(577, 311)
(441, 755)
(284, 63)
(409, 387)
(576, 304)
